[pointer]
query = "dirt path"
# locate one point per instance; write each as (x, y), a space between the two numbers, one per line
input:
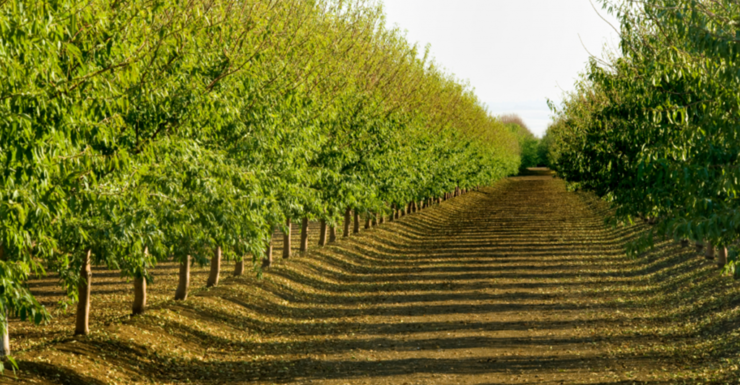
(484, 291)
(520, 283)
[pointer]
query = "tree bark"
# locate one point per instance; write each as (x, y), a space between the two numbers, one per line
(286, 240)
(304, 235)
(267, 262)
(139, 296)
(332, 233)
(82, 325)
(5, 347)
(356, 229)
(183, 283)
(381, 218)
(721, 257)
(322, 234)
(709, 251)
(239, 268)
(215, 268)
(347, 223)
(369, 222)
(699, 247)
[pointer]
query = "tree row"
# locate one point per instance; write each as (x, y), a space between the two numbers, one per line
(135, 131)
(654, 127)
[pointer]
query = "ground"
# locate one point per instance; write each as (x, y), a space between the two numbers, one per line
(519, 283)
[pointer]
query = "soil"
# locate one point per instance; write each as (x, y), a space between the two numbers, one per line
(519, 283)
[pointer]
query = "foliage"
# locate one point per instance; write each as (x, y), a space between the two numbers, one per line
(655, 129)
(528, 143)
(144, 130)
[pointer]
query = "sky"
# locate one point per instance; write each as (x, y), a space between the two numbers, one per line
(517, 54)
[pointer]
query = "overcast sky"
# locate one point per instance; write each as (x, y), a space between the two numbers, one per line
(516, 53)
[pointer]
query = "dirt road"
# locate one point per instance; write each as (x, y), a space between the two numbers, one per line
(520, 283)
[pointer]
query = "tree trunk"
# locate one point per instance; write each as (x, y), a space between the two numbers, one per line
(82, 326)
(322, 234)
(183, 283)
(721, 257)
(699, 247)
(304, 235)
(356, 229)
(332, 233)
(139, 296)
(684, 243)
(5, 327)
(709, 251)
(239, 268)
(381, 219)
(368, 222)
(215, 268)
(267, 262)
(347, 223)
(5, 348)
(286, 240)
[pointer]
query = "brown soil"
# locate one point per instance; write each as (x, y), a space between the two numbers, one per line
(519, 283)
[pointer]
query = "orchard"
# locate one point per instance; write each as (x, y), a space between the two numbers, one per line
(290, 191)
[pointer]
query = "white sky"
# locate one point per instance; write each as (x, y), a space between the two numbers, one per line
(516, 53)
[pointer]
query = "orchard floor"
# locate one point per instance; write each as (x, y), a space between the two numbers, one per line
(520, 283)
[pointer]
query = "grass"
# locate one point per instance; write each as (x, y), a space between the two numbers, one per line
(518, 283)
